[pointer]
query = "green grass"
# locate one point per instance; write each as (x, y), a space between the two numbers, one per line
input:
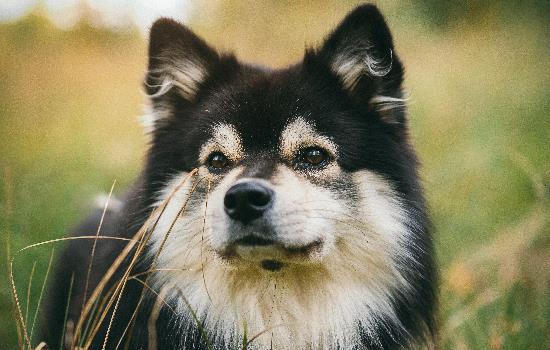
(480, 102)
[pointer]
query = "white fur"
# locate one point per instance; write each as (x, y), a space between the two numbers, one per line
(184, 74)
(299, 134)
(313, 305)
(350, 66)
(153, 115)
(386, 103)
(225, 139)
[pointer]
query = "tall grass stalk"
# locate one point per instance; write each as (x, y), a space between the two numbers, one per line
(40, 297)
(95, 243)
(63, 331)
(29, 286)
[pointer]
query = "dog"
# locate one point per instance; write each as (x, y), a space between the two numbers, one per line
(277, 209)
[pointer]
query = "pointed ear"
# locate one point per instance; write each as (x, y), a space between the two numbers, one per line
(360, 53)
(178, 60)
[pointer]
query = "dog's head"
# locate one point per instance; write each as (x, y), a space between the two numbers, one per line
(305, 175)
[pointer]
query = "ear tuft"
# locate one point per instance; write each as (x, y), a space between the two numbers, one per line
(351, 66)
(360, 53)
(177, 58)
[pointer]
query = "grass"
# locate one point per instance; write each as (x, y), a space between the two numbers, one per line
(479, 117)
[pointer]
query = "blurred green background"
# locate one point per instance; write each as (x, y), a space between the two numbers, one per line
(478, 74)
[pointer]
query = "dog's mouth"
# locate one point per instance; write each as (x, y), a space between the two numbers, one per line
(252, 240)
(270, 254)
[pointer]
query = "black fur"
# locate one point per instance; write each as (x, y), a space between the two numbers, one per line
(259, 101)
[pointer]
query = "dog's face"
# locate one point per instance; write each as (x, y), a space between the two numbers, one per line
(299, 179)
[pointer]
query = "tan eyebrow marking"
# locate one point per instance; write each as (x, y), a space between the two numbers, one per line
(300, 134)
(225, 139)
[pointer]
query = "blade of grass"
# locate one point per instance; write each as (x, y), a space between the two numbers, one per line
(99, 288)
(257, 335)
(196, 319)
(64, 329)
(56, 240)
(129, 326)
(29, 292)
(8, 195)
(41, 293)
(18, 306)
(95, 243)
(89, 321)
(94, 316)
(245, 335)
(21, 325)
(202, 239)
(142, 243)
(41, 346)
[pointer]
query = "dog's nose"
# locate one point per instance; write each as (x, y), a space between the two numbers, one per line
(247, 201)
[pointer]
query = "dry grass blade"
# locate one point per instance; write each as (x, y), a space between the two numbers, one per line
(68, 239)
(120, 292)
(89, 320)
(257, 335)
(178, 215)
(95, 243)
(152, 322)
(138, 238)
(159, 270)
(99, 288)
(41, 293)
(41, 346)
(181, 211)
(29, 285)
(158, 295)
(99, 304)
(8, 195)
(157, 213)
(62, 342)
(18, 305)
(21, 321)
(202, 239)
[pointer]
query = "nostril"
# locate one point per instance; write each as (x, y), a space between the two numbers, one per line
(230, 201)
(259, 198)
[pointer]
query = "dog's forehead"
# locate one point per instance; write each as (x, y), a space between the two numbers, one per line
(267, 116)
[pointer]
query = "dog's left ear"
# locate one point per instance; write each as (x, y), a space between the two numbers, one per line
(360, 53)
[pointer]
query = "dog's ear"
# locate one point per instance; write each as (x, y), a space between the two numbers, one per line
(179, 61)
(360, 53)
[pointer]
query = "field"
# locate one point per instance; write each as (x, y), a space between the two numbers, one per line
(479, 86)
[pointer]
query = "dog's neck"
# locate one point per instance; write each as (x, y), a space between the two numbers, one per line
(296, 308)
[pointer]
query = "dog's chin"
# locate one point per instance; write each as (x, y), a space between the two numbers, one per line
(270, 255)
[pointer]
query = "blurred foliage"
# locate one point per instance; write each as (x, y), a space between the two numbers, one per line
(442, 14)
(478, 77)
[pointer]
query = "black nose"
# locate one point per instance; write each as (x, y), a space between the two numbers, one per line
(247, 201)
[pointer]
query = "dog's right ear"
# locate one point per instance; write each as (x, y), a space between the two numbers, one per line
(179, 61)
(360, 53)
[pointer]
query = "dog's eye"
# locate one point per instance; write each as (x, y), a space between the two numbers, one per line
(218, 161)
(313, 156)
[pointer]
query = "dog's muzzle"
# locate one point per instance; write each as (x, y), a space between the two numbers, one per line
(253, 238)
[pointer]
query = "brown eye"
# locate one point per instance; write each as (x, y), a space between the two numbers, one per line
(218, 161)
(314, 156)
